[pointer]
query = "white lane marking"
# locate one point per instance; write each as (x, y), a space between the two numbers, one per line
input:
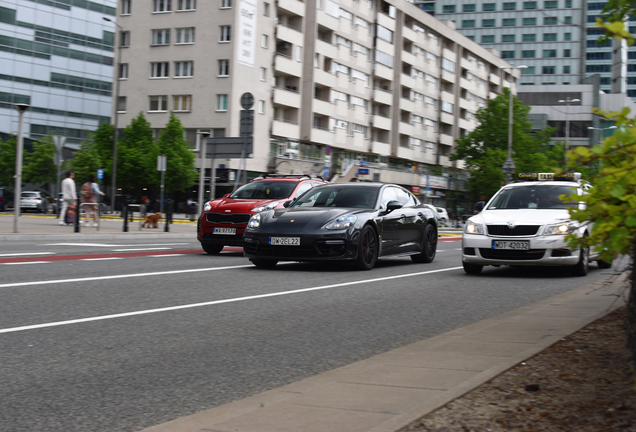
(140, 249)
(100, 259)
(113, 245)
(165, 255)
(27, 253)
(28, 262)
(210, 303)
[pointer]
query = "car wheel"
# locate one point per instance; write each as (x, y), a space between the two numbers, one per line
(429, 246)
(473, 268)
(367, 249)
(212, 249)
(604, 264)
(583, 265)
(264, 262)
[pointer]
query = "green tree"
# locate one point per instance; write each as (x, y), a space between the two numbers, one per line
(103, 138)
(180, 169)
(39, 165)
(136, 155)
(485, 149)
(86, 161)
(7, 162)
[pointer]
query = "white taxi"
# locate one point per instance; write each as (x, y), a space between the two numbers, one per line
(525, 224)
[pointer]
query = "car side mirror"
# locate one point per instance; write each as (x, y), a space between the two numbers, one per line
(393, 205)
(479, 206)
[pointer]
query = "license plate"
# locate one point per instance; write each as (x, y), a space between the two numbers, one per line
(284, 241)
(225, 231)
(507, 244)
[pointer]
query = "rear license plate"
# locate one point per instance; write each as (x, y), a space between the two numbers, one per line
(284, 241)
(225, 231)
(507, 244)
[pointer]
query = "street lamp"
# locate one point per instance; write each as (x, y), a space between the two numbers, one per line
(509, 166)
(22, 108)
(567, 101)
(602, 129)
(116, 113)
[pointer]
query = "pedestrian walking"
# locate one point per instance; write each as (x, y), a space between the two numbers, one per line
(69, 195)
(90, 192)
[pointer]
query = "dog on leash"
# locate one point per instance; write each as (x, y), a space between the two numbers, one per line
(151, 219)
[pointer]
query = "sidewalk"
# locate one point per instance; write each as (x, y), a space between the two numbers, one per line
(388, 391)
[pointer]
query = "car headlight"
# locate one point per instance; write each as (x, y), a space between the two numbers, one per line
(341, 222)
(207, 206)
(473, 228)
(264, 207)
(255, 221)
(560, 228)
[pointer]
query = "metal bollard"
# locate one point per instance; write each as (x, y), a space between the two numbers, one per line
(124, 212)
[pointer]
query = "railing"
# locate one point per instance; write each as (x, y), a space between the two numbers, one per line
(288, 88)
(295, 122)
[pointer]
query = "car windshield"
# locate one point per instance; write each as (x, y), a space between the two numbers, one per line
(538, 197)
(341, 196)
(29, 194)
(265, 190)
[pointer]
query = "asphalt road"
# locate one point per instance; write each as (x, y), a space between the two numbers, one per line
(122, 335)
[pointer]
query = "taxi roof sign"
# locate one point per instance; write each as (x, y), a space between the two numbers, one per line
(550, 176)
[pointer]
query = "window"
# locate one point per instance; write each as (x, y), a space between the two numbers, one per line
(566, 69)
(509, 22)
(266, 9)
(162, 5)
(550, 53)
(261, 107)
(225, 33)
(549, 37)
(446, 106)
(487, 7)
(508, 38)
(549, 21)
(567, 53)
(384, 58)
(529, 21)
(185, 35)
(568, 4)
(161, 37)
(468, 8)
(124, 39)
(468, 23)
(552, 4)
(510, 6)
(224, 68)
(299, 53)
(158, 103)
(529, 37)
(507, 54)
(530, 5)
(125, 7)
(160, 70)
(226, 4)
(221, 102)
(183, 69)
(430, 124)
(448, 65)
(568, 36)
(567, 20)
(528, 71)
(121, 104)
(488, 23)
(448, 9)
(488, 39)
(384, 33)
(527, 54)
(548, 70)
(123, 71)
(263, 74)
(185, 5)
(471, 37)
(182, 103)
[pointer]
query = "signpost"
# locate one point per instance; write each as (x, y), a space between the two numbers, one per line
(59, 145)
(161, 166)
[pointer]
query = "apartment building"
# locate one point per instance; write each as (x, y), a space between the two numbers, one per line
(57, 57)
(337, 86)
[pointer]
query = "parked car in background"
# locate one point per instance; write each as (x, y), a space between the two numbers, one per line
(34, 200)
(3, 203)
(55, 201)
(442, 216)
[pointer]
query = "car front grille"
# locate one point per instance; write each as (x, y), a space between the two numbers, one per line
(512, 255)
(230, 218)
(519, 230)
(320, 249)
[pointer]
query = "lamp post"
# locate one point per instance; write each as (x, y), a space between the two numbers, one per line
(509, 166)
(203, 140)
(22, 108)
(602, 129)
(116, 113)
(567, 101)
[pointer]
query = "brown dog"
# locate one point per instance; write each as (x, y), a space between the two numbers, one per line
(151, 219)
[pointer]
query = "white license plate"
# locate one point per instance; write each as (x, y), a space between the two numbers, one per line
(507, 244)
(225, 231)
(284, 241)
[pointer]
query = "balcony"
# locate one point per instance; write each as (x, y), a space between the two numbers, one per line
(496, 80)
(381, 148)
(288, 97)
(407, 81)
(288, 34)
(285, 128)
(288, 66)
(447, 118)
(444, 161)
(383, 96)
(295, 7)
(323, 107)
(326, 49)
(383, 71)
(445, 139)
(325, 78)
(381, 122)
(470, 86)
(448, 76)
(405, 129)
(322, 136)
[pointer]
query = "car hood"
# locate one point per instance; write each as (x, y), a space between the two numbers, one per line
(522, 216)
(233, 205)
(298, 219)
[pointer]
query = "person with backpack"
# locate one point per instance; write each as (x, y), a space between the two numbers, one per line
(90, 191)
(69, 198)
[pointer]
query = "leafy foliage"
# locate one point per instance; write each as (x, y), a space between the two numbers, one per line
(86, 161)
(180, 169)
(7, 161)
(485, 149)
(136, 155)
(39, 165)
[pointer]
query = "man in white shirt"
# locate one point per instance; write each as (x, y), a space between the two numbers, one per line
(69, 195)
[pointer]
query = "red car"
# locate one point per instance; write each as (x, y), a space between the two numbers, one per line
(223, 220)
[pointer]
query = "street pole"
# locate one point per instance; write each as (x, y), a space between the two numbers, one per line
(115, 113)
(203, 143)
(509, 166)
(567, 102)
(21, 108)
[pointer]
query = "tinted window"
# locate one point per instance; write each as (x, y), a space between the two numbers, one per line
(358, 197)
(265, 190)
(540, 197)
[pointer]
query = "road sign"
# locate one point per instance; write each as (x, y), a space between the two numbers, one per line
(326, 175)
(229, 147)
(247, 123)
(247, 100)
(363, 171)
(100, 174)
(161, 163)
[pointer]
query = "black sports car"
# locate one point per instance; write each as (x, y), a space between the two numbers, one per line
(358, 222)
